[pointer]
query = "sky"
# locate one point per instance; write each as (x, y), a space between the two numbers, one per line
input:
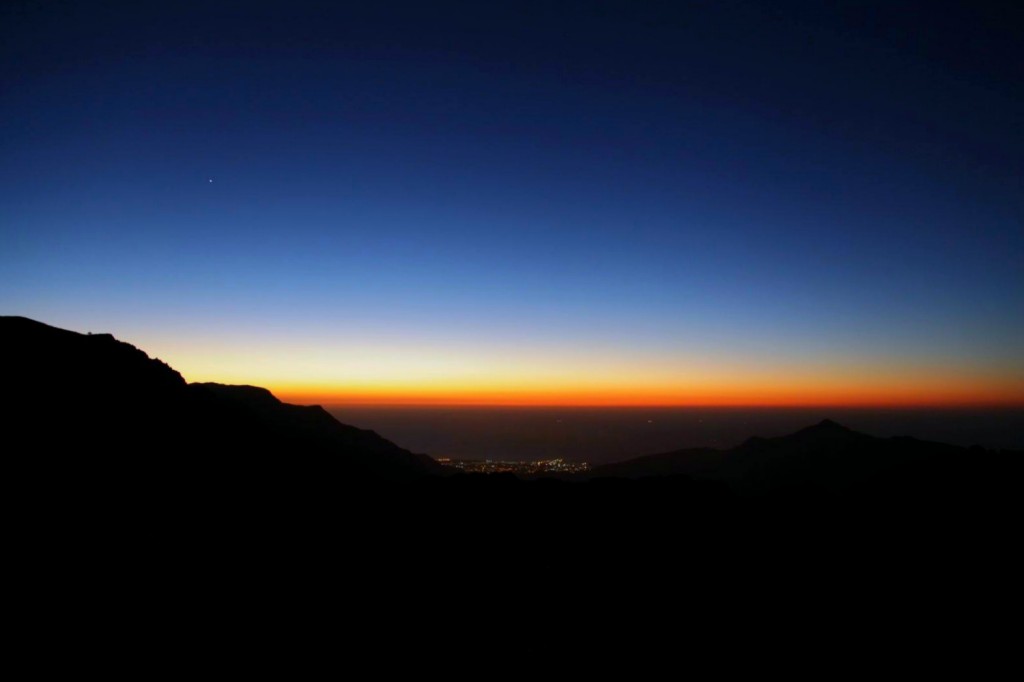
(598, 203)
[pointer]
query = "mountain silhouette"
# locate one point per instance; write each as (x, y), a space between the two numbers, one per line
(135, 491)
(108, 414)
(827, 457)
(140, 415)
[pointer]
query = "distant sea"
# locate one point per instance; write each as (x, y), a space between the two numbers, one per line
(601, 435)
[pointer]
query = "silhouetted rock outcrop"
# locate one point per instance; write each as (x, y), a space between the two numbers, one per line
(70, 393)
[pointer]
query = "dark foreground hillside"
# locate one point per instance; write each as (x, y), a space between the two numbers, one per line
(159, 523)
(122, 406)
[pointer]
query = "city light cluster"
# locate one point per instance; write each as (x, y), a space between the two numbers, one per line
(541, 466)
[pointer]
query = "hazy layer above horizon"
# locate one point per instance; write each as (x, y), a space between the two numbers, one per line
(602, 435)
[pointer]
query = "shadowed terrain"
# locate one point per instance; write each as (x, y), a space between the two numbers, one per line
(828, 458)
(152, 486)
(135, 414)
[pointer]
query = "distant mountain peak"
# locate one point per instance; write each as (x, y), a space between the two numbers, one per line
(826, 429)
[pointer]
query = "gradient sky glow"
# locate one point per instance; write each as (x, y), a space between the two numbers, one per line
(599, 203)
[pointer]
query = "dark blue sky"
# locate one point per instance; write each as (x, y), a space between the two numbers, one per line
(661, 193)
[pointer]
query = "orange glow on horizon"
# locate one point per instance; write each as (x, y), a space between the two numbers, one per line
(909, 397)
(315, 373)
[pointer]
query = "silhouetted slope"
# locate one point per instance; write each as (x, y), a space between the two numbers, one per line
(688, 462)
(310, 429)
(829, 457)
(72, 393)
(175, 508)
(71, 397)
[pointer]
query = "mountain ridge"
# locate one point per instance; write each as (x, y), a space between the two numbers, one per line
(142, 416)
(123, 402)
(827, 456)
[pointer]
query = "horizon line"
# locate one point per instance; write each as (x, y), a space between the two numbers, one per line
(643, 406)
